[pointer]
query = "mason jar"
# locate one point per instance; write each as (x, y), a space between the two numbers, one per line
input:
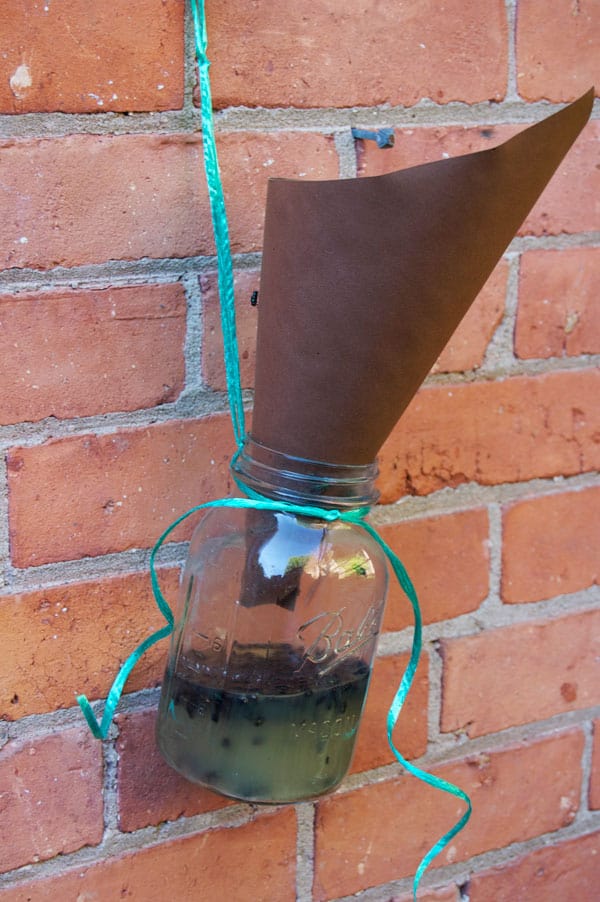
(275, 633)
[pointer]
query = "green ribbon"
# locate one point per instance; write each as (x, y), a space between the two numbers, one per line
(256, 502)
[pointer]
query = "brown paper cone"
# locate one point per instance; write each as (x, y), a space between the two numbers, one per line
(364, 281)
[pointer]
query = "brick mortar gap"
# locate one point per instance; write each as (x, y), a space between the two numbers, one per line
(586, 772)
(346, 151)
(499, 354)
(118, 273)
(192, 404)
(189, 64)
(434, 705)
(4, 533)
(496, 617)
(38, 726)
(90, 569)
(154, 270)
(493, 602)
(474, 495)
(512, 93)
(109, 789)
(193, 334)
(305, 850)
(48, 126)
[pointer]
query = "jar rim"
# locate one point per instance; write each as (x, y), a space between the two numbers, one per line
(287, 477)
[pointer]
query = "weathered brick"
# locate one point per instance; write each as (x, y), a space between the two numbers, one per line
(213, 369)
(89, 198)
(558, 314)
(240, 864)
(557, 48)
(50, 797)
(122, 350)
(521, 673)
(64, 57)
(493, 432)
(410, 736)
(550, 545)
(569, 871)
(425, 144)
(379, 833)
(123, 488)
(284, 55)
(426, 546)
(568, 204)
(56, 643)
(594, 788)
(571, 202)
(466, 349)
(149, 791)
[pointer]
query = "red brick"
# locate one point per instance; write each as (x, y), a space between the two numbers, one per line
(89, 198)
(410, 736)
(213, 369)
(558, 315)
(240, 864)
(123, 488)
(64, 57)
(493, 432)
(149, 790)
(466, 349)
(122, 350)
(594, 788)
(569, 203)
(550, 546)
(52, 648)
(569, 871)
(379, 833)
(521, 673)
(50, 797)
(426, 547)
(335, 55)
(425, 144)
(557, 48)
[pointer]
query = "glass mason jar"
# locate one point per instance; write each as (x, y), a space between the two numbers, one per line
(274, 638)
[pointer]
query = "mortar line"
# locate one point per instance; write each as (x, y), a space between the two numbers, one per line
(425, 113)
(194, 334)
(158, 270)
(110, 787)
(305, 850)
(586, 770)
(4, 524)
(512, 93)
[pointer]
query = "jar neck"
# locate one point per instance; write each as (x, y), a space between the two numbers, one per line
(298, 481)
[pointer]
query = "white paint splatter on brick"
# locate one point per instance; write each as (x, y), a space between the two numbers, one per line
(20, 81)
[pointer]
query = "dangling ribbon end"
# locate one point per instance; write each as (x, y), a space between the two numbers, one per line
(90, 717)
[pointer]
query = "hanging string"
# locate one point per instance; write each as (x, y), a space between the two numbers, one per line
(220, 229)
(256, 502)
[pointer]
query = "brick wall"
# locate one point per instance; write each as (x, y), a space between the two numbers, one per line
(113, 421)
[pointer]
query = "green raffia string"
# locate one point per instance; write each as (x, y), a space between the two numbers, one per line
(256, 502)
